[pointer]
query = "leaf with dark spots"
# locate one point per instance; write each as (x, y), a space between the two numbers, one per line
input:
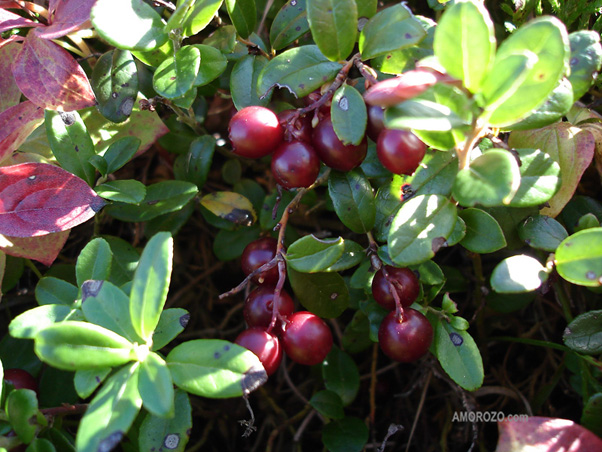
(37, 199)
(69, 15)
(184, 320)
(68, 118)
(16, 124)
(91, 288)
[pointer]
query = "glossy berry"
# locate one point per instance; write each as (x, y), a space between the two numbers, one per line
(376, 122)
(306, 338)
(295, 164)
(400, 151)
(258, 306)
(265, 345)
(254, 132)
(20, 379)
(296, 128)
(406, 284)
(408, 340)
(332, 151)
(258, 253)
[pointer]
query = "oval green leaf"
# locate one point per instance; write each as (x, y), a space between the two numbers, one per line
(584, 333)
(243, 82)
(579, 258)
(94, 261)
(175, 76)
(341, 375)
(213, 64)
(539, 178)
(483, 233)
(349, 434)
(349, 115)
(324, 294)
(289, 24)
(333, 25)
(518, 274)
(542, 232)
(157, 432)
(328, 404)
(21, 410)
(586, 59)
(28, 324)
(243, 14)
(310, 254)
(156, 386)
(353, 201)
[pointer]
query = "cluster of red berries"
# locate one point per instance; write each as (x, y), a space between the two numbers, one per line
(303, 336)
(406, 337)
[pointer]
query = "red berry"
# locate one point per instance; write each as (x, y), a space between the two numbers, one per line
(306, 338)
(406, 284)
(254, 132)
(295, 164)
(258, 253)
(258, 306)
(297, 130)
(408, 340)
(400, 151)
(20, 379)
(265, 345)
(332, 151)
(376, 121)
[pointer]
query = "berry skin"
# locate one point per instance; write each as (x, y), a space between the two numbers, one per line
(254, 132)
(295, 164)
(265, 345)
(405, 282)
(332, 151)
(20, 379)
(406, 341)
(258, 306)
(299, 130)
(400, 151)
(306, 338)
(258, 253)
(376, 122)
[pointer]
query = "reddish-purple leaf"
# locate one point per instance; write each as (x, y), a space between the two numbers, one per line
(9, 91)
(16, 124)
(10, 20)
(50, 77)
(38, 199)
(2, 268)
(69, 15)
(43, 249)
(544, 434)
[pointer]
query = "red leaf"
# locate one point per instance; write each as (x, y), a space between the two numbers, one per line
(9, 91)
(37, 199)
(43, 249)
(16, 124)
(50, 77)
(544, 434)
(69, 15)
(10, 20)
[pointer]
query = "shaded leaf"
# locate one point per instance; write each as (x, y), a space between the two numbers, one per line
(584, 333)
(243, 81)
(21, 410)
(328, 404)
(324, 294)
(585, 62)
(341, 375)
(87, 381)
(349, 434)
(483, 233)
(94, 261)
(542, 232)
(243, 14)
(171, 323)
(351, 195)
(539, 178)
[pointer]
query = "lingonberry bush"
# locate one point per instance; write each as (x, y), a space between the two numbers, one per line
(315, 224)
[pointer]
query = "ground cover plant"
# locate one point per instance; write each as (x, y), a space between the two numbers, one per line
(333, 225)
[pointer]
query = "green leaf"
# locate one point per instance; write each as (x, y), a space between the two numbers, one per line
(351, 195)
(492, 179)
(518, 274)
(156, 386)
(392, 28)
(483, 233)
(289, 24)
(592, 414)
(420, 228)
(585, 62)
(301, 70)
(129, 24)
(353, 254)
(267, 218)
(229, 245)
(539, 178)
(243, 81)
(243, 14)
(111, 412)
(158, 433)
(213, 64)
(341, 375)
(29, 323)
(94, 261)
(324, 294)
(349, 434)
(40, 445)
(175, 76)
(125, 260)
(199, 16)
(215, 368)
(86, 381)
(333, 25)
(328, 404)
(230, 206)
(70, 143)
(78, 345)
(579, 258)
(547, 38)
(151, 283)
(161, 198)
(349, 115)
(22, 410)
(356, 336)
(194, 166)
(171, 323)
(127, 191)
(310, 254)
(459, 355)
(120, 152)
(51, 290)
(421, 114)
(465, 42)
(584, 333)
(542, 232)
(115, 84)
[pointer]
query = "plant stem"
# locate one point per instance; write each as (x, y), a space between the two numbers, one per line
(465, 151)
(33, 268)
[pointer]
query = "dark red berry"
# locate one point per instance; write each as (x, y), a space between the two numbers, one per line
(332, 151)
(265, 345)
(406, 284)
(306, 338)
(400, 151)
(258, 253)
(258, 306)
(376, 121)
(408, 340)
(296, 128)
(254, 132)
(20, 379)
(295, 164)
